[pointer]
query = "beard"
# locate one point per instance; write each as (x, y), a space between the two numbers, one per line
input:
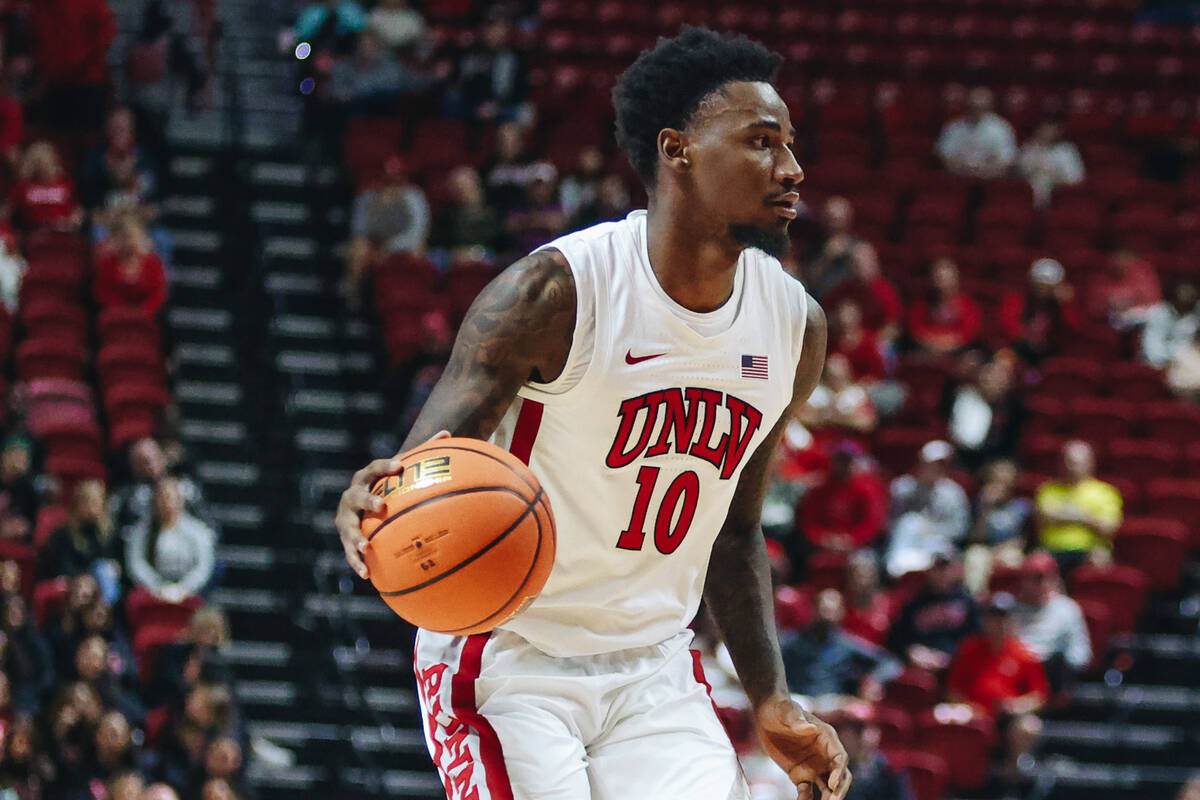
(775, 242)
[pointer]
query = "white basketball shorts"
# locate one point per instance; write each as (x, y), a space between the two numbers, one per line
(504, 721)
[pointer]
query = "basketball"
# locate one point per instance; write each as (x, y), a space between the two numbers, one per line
(465, 539)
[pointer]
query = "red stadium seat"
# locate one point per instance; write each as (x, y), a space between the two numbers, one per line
(404, 272)
(50, 358)
(54, 318)
(403, 335)
(793, 608)
(1159, 554)
(1042, 453)
(465, 281)
(927, 773)
(1099, 418)
(895, 728)
(49, 598)
(74, 440)
(49, 519)
(148, 641)
(1047, 415)
(1171, 421)
(143, 608)
(54, 402)
(1133, 381)
(897, 448)
(913, 691)
(825, 569)
(44, 243)
(1142, 459)
(1121, 589)
(1099, 626)
(1178, 500)
(963, 738)
(71, 471)
(1068, 377)
(125, 326)
(128, 363)
(368, 144)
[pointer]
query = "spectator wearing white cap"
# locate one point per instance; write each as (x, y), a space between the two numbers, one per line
(1035, 322)
(929, 510)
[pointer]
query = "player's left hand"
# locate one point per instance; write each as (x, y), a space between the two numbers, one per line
(807, 748)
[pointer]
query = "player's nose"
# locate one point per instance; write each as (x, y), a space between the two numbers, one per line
(788, 170)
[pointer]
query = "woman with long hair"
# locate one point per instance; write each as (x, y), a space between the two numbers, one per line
(87, 536)
(44, 196)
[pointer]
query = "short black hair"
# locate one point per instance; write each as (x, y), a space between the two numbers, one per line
(664, 87)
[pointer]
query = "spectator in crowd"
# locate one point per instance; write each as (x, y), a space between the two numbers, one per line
(159, 791)
(1049, 622)
(44, 196)
(931, 625)
(372, 80)
(929, 511)
(113, 752)
(208, 712)
(1125, 292)
(582, 185)
(12, 272)
(25, 657)
(397, 24)
(132, 503)
(1000, 677)
(129, 272)
(611, 202)
(119, 143)
(330, 25)
(947, 320)
(1171, 325)
(1077, 514)
(126, 786)
(466, 223)
(1036, 322)
(129, 190)
(986, 415)
(998, 530)
(18, 492)
(874, 777)
(492, 83)
(824, 660)
(223, 763)
(980, 144)
(70, 41)
(869, 609)
(24, 769)
(848, 510)
(92, 668)
(510, 169)
(540, 218)
(1047, 160)
(839, 405)
(196, 658)
(1190, 790)
(65, 630)
(390, 218)
(1183, 370)
(827, 260)
(860, 345)
(88, 535)
(877, 299)
(173, 554)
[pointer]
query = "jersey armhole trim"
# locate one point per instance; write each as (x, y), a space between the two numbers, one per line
(555, 388)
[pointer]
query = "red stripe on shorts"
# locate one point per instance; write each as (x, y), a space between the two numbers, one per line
(529, 419)
(462, 699)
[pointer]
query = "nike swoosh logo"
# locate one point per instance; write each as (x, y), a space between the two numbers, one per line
(630, 358)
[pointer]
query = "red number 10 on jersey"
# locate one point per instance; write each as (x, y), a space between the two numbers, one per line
(685, 490)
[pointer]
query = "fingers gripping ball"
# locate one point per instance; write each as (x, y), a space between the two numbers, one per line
(465, 538)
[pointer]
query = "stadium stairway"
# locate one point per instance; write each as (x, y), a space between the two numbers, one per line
(1131, 729)
(280, 404)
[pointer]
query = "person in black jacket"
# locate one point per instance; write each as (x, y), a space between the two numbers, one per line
(932, 623)
(87, 536)
(874, 777)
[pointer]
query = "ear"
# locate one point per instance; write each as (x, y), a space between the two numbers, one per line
(672, 149)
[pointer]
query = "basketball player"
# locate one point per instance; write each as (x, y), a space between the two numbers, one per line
(645, 370)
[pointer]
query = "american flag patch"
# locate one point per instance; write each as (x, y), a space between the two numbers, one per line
(754, 367)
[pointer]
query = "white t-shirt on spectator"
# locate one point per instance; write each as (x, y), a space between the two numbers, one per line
(990, 140)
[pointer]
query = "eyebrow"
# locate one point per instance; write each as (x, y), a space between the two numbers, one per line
(768, 124)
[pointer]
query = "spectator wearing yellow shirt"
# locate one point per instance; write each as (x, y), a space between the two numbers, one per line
(1078, 514)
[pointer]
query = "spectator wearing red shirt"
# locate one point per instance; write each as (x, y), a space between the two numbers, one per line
(1124, 293)
(70, 41)
(1035, 322)
(878, 300)
(848, 510)
(869, 609)
(856, 342)
(1001, 677)
(947, 320)
(128, 271)
(44, 197)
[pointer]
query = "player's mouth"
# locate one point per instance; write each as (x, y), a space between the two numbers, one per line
(786, 204)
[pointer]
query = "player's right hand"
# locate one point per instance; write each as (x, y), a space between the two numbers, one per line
(358, 499)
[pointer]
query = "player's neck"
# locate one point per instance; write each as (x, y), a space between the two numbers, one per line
(695, 267)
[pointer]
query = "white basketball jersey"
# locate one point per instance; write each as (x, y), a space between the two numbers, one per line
(640, 442)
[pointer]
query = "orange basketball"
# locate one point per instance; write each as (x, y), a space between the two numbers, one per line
(465, 539)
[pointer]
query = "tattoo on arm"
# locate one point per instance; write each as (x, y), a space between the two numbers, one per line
(738, 588)
(518, 329)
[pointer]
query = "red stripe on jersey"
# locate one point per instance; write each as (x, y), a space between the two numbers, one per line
(529, 419)
(462, 694)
